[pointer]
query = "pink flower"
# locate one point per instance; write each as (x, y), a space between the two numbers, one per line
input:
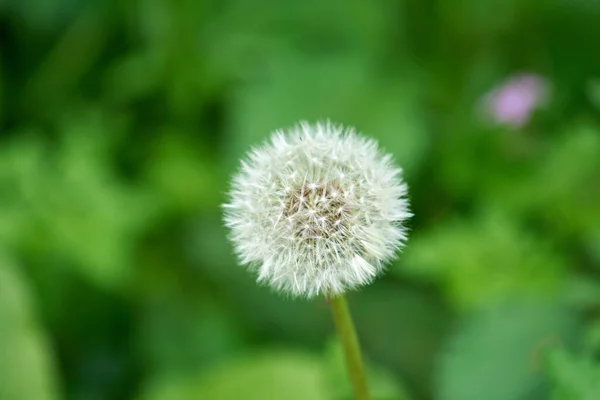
(513, 102)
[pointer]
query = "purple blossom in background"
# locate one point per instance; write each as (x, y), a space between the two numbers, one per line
(513, 102)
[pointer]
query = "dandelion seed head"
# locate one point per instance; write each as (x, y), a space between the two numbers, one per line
(318, 209)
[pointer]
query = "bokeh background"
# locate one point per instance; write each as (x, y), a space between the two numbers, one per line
(122, 122)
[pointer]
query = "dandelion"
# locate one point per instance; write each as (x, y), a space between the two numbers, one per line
(317, 210)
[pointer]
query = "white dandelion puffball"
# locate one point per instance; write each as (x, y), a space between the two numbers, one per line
(317, 210)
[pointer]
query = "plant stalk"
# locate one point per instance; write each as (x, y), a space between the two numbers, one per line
(347, 333)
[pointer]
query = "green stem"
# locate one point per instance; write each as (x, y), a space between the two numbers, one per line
(347, 334)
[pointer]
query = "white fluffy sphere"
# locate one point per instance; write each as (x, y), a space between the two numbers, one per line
(317, 209)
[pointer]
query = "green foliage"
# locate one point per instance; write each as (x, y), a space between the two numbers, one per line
(339, 88)
(495, 353)
(69, 203)
(263, 376)
(566, 194)
(277, 374)
(484, 261)
(26, 361)
(382, 385)
(574, 378)
(123, 121)
(179, 338)
(175, 162)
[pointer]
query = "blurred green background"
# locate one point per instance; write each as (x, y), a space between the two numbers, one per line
(122, 122)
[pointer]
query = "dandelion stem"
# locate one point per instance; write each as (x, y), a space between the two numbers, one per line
(349, 339)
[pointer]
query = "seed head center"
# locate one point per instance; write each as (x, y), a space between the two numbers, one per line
(317, 211)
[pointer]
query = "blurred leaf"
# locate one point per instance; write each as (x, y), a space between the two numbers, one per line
(179, 335)
(170, 60)
(382, 386)
(592, 339)
(573, 378)
(593, 247)
(566, 193)
(243, 39)
(44, 14)
(343, 89)
(88, 214)
(272, 375)
(401, 328)
(19, 166)
(491, 18)
(135, 77)
(490, 165)
(281, 374)
(484, 260)
(26, 362)
(593, 90)
(70, 203)
(556, 185)
(493, 354)
(582, 292)
(71, 58)
(182, 173)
